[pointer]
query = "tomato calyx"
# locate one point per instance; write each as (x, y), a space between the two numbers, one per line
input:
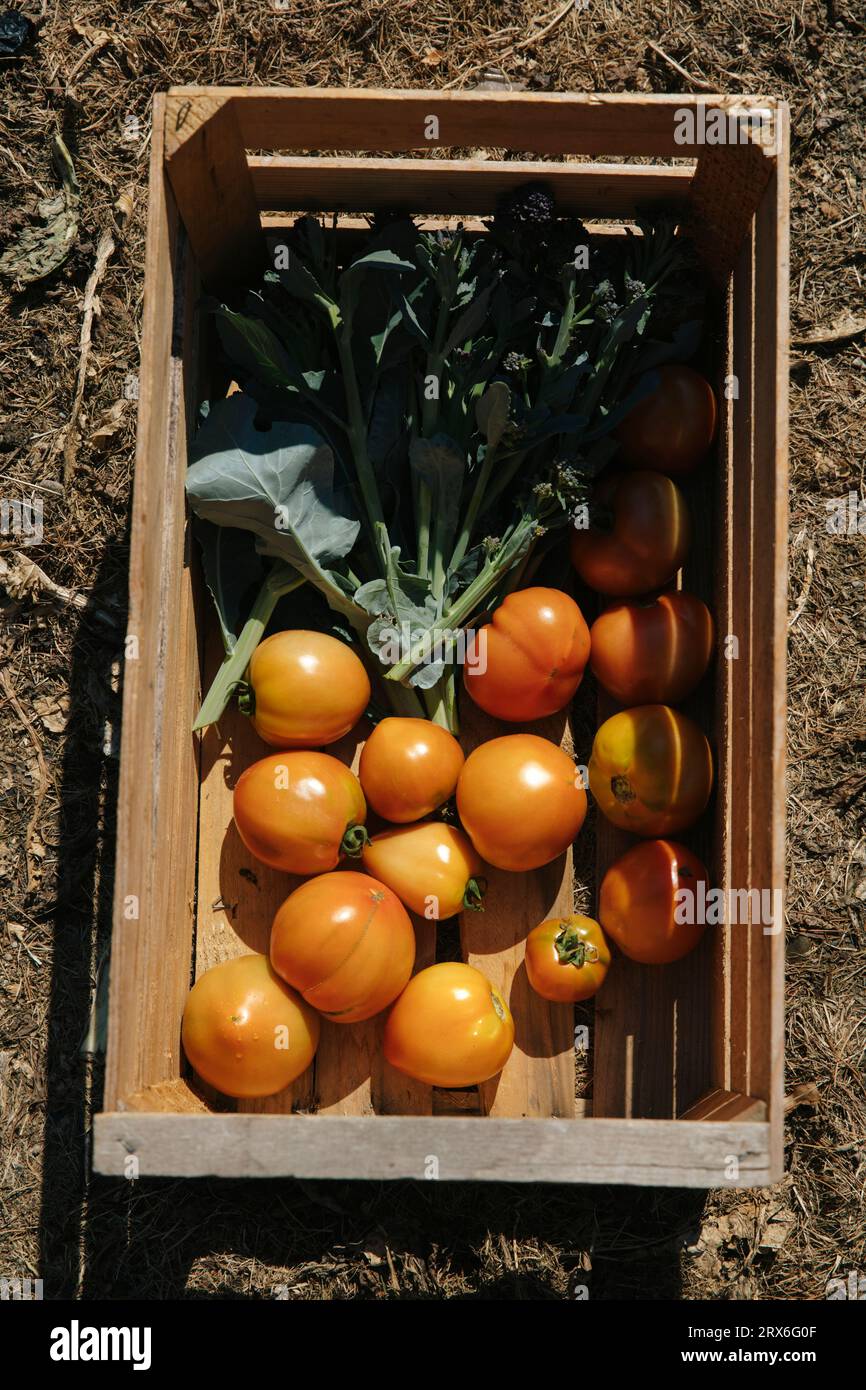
(354, 840)
(246, 698)
(622, 789)
(473, 896)
(571, 949)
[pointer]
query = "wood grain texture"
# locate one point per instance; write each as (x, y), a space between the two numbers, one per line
(726, 1105)
(155, 857)
(213, 189)
(641, 1152)
(538, 1078)
(301, 118)
(459, 186)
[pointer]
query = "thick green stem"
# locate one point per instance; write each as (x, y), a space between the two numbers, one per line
(281, 580)
(473, 509)
(429, 411)
(358, 441)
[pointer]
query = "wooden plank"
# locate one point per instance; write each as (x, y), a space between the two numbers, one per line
(304, 118)
(719, 1105)
(770, 620)
(538, 1078)
(155, 863)
(455, 186)
(213, 189)
(653, 1153)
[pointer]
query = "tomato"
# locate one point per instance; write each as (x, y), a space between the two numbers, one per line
(432, 868)
(638, 537)
(530, 660)
(245, 1032)
(643, 901)
(672, 428)
(521, 801)
(300, 811)
(654, 652)
(346, 943)
(408, 768)
(307, 689)
(567, 959)
(651, 770)
(449, 1027)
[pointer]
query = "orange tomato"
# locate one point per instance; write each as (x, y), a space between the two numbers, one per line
(639, 534)
(567, 959)
(520, 800)
(245, 1032)
(449, 1027)
(647, 897)
(300, 811)
(346, 943)
(654, 652)
(672, 428)
(651, 770)
(408, 768)
(529, 661)
(308, 689)
(432, 868)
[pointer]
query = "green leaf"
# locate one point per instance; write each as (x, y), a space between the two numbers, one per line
(491, 412)
(469, 321)
(233, 572)
(441, 464)
(300, 282)
(277, 483)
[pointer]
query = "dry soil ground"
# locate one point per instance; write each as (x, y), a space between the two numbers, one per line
(89, 74)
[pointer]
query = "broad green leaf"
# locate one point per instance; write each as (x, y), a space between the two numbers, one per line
(233, 571)
(491, 412)
(442, 465)
(470, 321)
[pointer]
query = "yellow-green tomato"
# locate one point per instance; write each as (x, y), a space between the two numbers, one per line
(308, 689)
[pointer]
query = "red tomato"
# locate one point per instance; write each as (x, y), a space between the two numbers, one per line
(308, 689)
(654, 652)
(530, 660)
(297, 811)
(449, 1027)
(567, 959)
(432, 868)
(647, 897)
(245, 1032)
(408, 768)
(521, 801)
(639, 536)
(672, 428)
(651, 770)
(346, 943)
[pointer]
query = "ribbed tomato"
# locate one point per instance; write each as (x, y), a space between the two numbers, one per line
(346, 943)
(245, 1031)
(432, 868)
(653, 652)
(300, 811)
(567, 959)
(672, 428)
(449, 1027)
(307, 689)
(521, 801)
(639, 534)
(649, 901)
(408, 768)
(651, 770)
(529, 661)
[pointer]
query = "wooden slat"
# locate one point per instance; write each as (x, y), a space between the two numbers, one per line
(303, 118)
(150, 960)
(770, 620)
(719, 1105)
(642, 1152)
(538, 1078)
(213, 188)
(455, 186)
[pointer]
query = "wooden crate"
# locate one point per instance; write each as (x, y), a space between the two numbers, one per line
(687, 1059)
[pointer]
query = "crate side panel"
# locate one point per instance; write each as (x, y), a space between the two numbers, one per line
(155, 880)
(639, 1152)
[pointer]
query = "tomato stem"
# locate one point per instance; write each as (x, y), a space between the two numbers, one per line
(573, 950)
(354, 840)
(473, 897)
